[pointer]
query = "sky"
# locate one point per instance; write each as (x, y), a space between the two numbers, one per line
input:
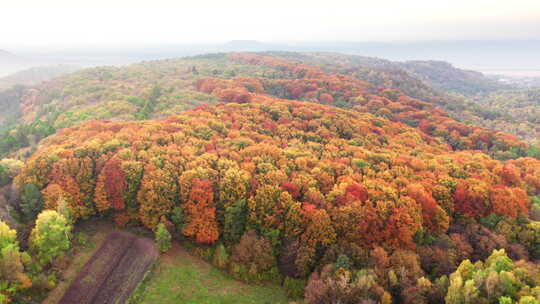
(75, 23)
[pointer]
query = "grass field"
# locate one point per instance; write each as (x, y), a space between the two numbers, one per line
(181, 278)
(178, 277)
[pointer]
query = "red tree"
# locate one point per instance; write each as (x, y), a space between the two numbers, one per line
(115, 183)
(353, 193)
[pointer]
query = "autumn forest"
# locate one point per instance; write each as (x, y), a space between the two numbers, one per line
(339, 178)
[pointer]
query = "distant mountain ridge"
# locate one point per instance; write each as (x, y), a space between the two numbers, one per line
(5, 53)
(249, 46)
(466, 95)
(7, 57)
(444, 75)
(10, 63)
(35, 75)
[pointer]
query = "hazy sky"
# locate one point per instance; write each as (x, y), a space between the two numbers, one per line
(123, 22)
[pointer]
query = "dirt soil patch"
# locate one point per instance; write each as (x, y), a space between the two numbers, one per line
(113, 272)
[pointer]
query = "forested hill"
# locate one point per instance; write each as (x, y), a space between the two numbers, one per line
(160, 88)
(335, 204)
(418, 79)
(467, 96)
(443, 75)
(339, 189)
(436, 82)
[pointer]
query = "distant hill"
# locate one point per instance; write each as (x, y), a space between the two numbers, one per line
(5, 53)
(9, 58)
(10, 63)
(35, 75)
(244, 43)
(421, 79)
(157, 89)
(467, 96)
(249, 46)
(444, 76)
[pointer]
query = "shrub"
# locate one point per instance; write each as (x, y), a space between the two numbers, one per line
(163, 238)
(294, 287)
(178, 219)
(343, 261)
(221, 258)
(12, 262)
(256, 255)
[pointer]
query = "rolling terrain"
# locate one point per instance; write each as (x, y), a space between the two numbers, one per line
(343, 179)
(466, 96)
(160, 88)
(291, 186)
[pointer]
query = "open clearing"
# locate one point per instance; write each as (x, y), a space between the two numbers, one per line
(181, 278)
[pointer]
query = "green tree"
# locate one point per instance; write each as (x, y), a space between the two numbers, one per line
(51, 236)
(235, 221)
(4, 176)
(7, 236)
(12, 276)
(343, 261)
(178, 218)
(31, 201)
(163, 238)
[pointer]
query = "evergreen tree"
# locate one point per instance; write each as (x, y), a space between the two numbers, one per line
(163, 238)
(31, 201)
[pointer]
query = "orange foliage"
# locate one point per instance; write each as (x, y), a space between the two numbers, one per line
(201, 213)
(508, 201)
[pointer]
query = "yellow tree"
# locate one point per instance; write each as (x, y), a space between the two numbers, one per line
(157, 195)
(233, 187)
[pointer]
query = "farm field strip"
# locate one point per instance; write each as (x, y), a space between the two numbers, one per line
(128, 273)
(113, 271)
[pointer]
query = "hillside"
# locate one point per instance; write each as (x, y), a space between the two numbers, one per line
(444, 76)
(522, 112)
(160, 88)
(275, 170)
(419, 79)
(35, 75)
(302, 193)
(435, 82)
(466, 96)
